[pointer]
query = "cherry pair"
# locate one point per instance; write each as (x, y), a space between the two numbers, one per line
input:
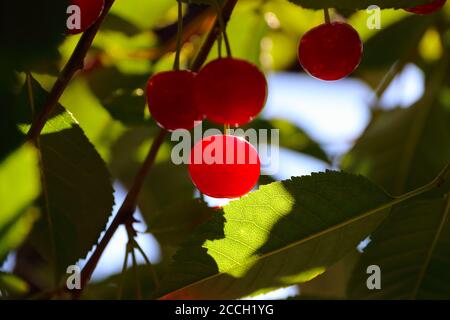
(226, 91)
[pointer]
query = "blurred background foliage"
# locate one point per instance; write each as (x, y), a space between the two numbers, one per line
(401, 149)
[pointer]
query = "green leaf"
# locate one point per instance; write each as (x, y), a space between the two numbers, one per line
(77, 196)
(285, 233)
(403, 148)
(19, 187)
(113, 22)
(401, 38)
(412, 250)
(95, 121)
(122, 95)
(245, 45)
(12, 286)
(144, 14)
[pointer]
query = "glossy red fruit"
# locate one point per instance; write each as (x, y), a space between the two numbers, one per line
(230, 91)
(330, 51)
(90, 10)
(224, 166)
(170, 98)
(427, 8)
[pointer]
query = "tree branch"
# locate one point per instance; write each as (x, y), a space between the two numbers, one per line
(75, 63)
(129, 205)
(126, 210)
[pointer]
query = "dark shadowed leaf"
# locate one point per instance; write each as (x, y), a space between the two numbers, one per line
(32, 32)
(412, 249)
(10, 136)
(121, 94)
(395, 42)
(402, 149)
(109, 288)
(77, 195)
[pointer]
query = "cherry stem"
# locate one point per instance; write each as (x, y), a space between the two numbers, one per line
(176, 64)
(219, 45)
(327, 15)
(223, 27)
(75, 63)
(149, 264)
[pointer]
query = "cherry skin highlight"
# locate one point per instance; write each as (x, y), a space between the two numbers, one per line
(170, 98)
(330, 51)
(224, 166)
(427, 8)
(230, 91)
(90, 11)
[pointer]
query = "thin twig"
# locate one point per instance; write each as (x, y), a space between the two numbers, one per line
(176, 64)
(149, 263)
(137, 285)
(223, 27)
(124, 270)
(327, 15)
(75, 63)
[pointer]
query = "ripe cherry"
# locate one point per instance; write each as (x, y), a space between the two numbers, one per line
(170, 97)
(224, 166)
(90, 10)
(230, 91)
(330, 51)
(427, 8)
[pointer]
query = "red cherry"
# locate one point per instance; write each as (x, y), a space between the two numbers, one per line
(170, 98)
(90, 11)
(230, 91)
(330, 51)
(224, 166)
(427, 8)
